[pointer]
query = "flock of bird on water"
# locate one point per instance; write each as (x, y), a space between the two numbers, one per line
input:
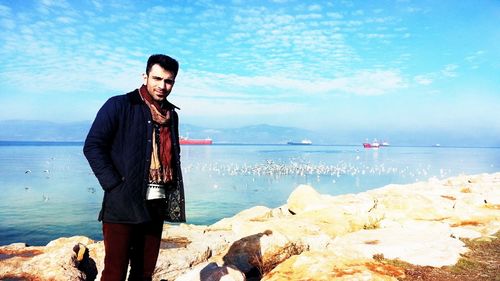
(294, 168)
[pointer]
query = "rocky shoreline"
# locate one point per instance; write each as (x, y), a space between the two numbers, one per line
(311, 237)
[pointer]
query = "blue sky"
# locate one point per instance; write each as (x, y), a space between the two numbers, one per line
(320, 65)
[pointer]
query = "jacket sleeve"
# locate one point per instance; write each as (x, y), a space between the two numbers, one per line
(97, 147)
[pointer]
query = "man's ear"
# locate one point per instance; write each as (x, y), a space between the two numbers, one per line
(145, 78)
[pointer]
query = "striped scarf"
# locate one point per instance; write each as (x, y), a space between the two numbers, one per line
(160, 170)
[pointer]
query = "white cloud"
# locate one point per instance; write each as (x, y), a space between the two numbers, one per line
(358, 13)
(311, 16)
(314, 8)
(373, 36)
(335, 15)
(4, 11)
(53, 3)
(474, 56)
(368, 83)
(6, 22)
(97, 4)
(158, 10)
(353, 23)
(47, 6)
(475, 59)
(413, 10)
(450, 70)
(423, 80)
(235, 108)
(274, 40)
(65, 20)
(379, 20)
(363, 83)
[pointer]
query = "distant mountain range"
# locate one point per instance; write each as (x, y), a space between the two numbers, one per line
(33, 130)
(23, 130)
(260, 134)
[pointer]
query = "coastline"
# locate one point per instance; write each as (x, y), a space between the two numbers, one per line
(420, 223)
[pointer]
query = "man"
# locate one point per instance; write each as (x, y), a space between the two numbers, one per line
(133, 150)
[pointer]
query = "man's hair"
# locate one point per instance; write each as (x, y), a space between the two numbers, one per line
(164, 61)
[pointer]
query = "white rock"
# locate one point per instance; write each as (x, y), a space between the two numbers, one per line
(416, 242)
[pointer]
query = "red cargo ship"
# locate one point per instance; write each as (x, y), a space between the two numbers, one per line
(185, 140)
(374, 144)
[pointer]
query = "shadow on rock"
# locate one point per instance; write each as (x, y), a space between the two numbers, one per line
(245, 254)
(85, 263)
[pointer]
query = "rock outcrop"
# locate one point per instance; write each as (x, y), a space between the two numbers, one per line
(61, 259)
(311, 237)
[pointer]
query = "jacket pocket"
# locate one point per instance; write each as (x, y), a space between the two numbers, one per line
(114, 186)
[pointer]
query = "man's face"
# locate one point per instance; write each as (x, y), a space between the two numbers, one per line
(159, 82)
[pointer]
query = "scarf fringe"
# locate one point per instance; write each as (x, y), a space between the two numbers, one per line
(160, 176)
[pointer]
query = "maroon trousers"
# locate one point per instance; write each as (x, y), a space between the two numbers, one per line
(137, 243)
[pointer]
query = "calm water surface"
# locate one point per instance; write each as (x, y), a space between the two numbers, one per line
(49, 191)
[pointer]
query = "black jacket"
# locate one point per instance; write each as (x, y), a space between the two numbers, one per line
(118, 148)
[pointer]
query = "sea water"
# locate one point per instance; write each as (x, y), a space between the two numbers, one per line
(49, 191)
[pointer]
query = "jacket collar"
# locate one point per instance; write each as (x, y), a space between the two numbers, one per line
(135, 98)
